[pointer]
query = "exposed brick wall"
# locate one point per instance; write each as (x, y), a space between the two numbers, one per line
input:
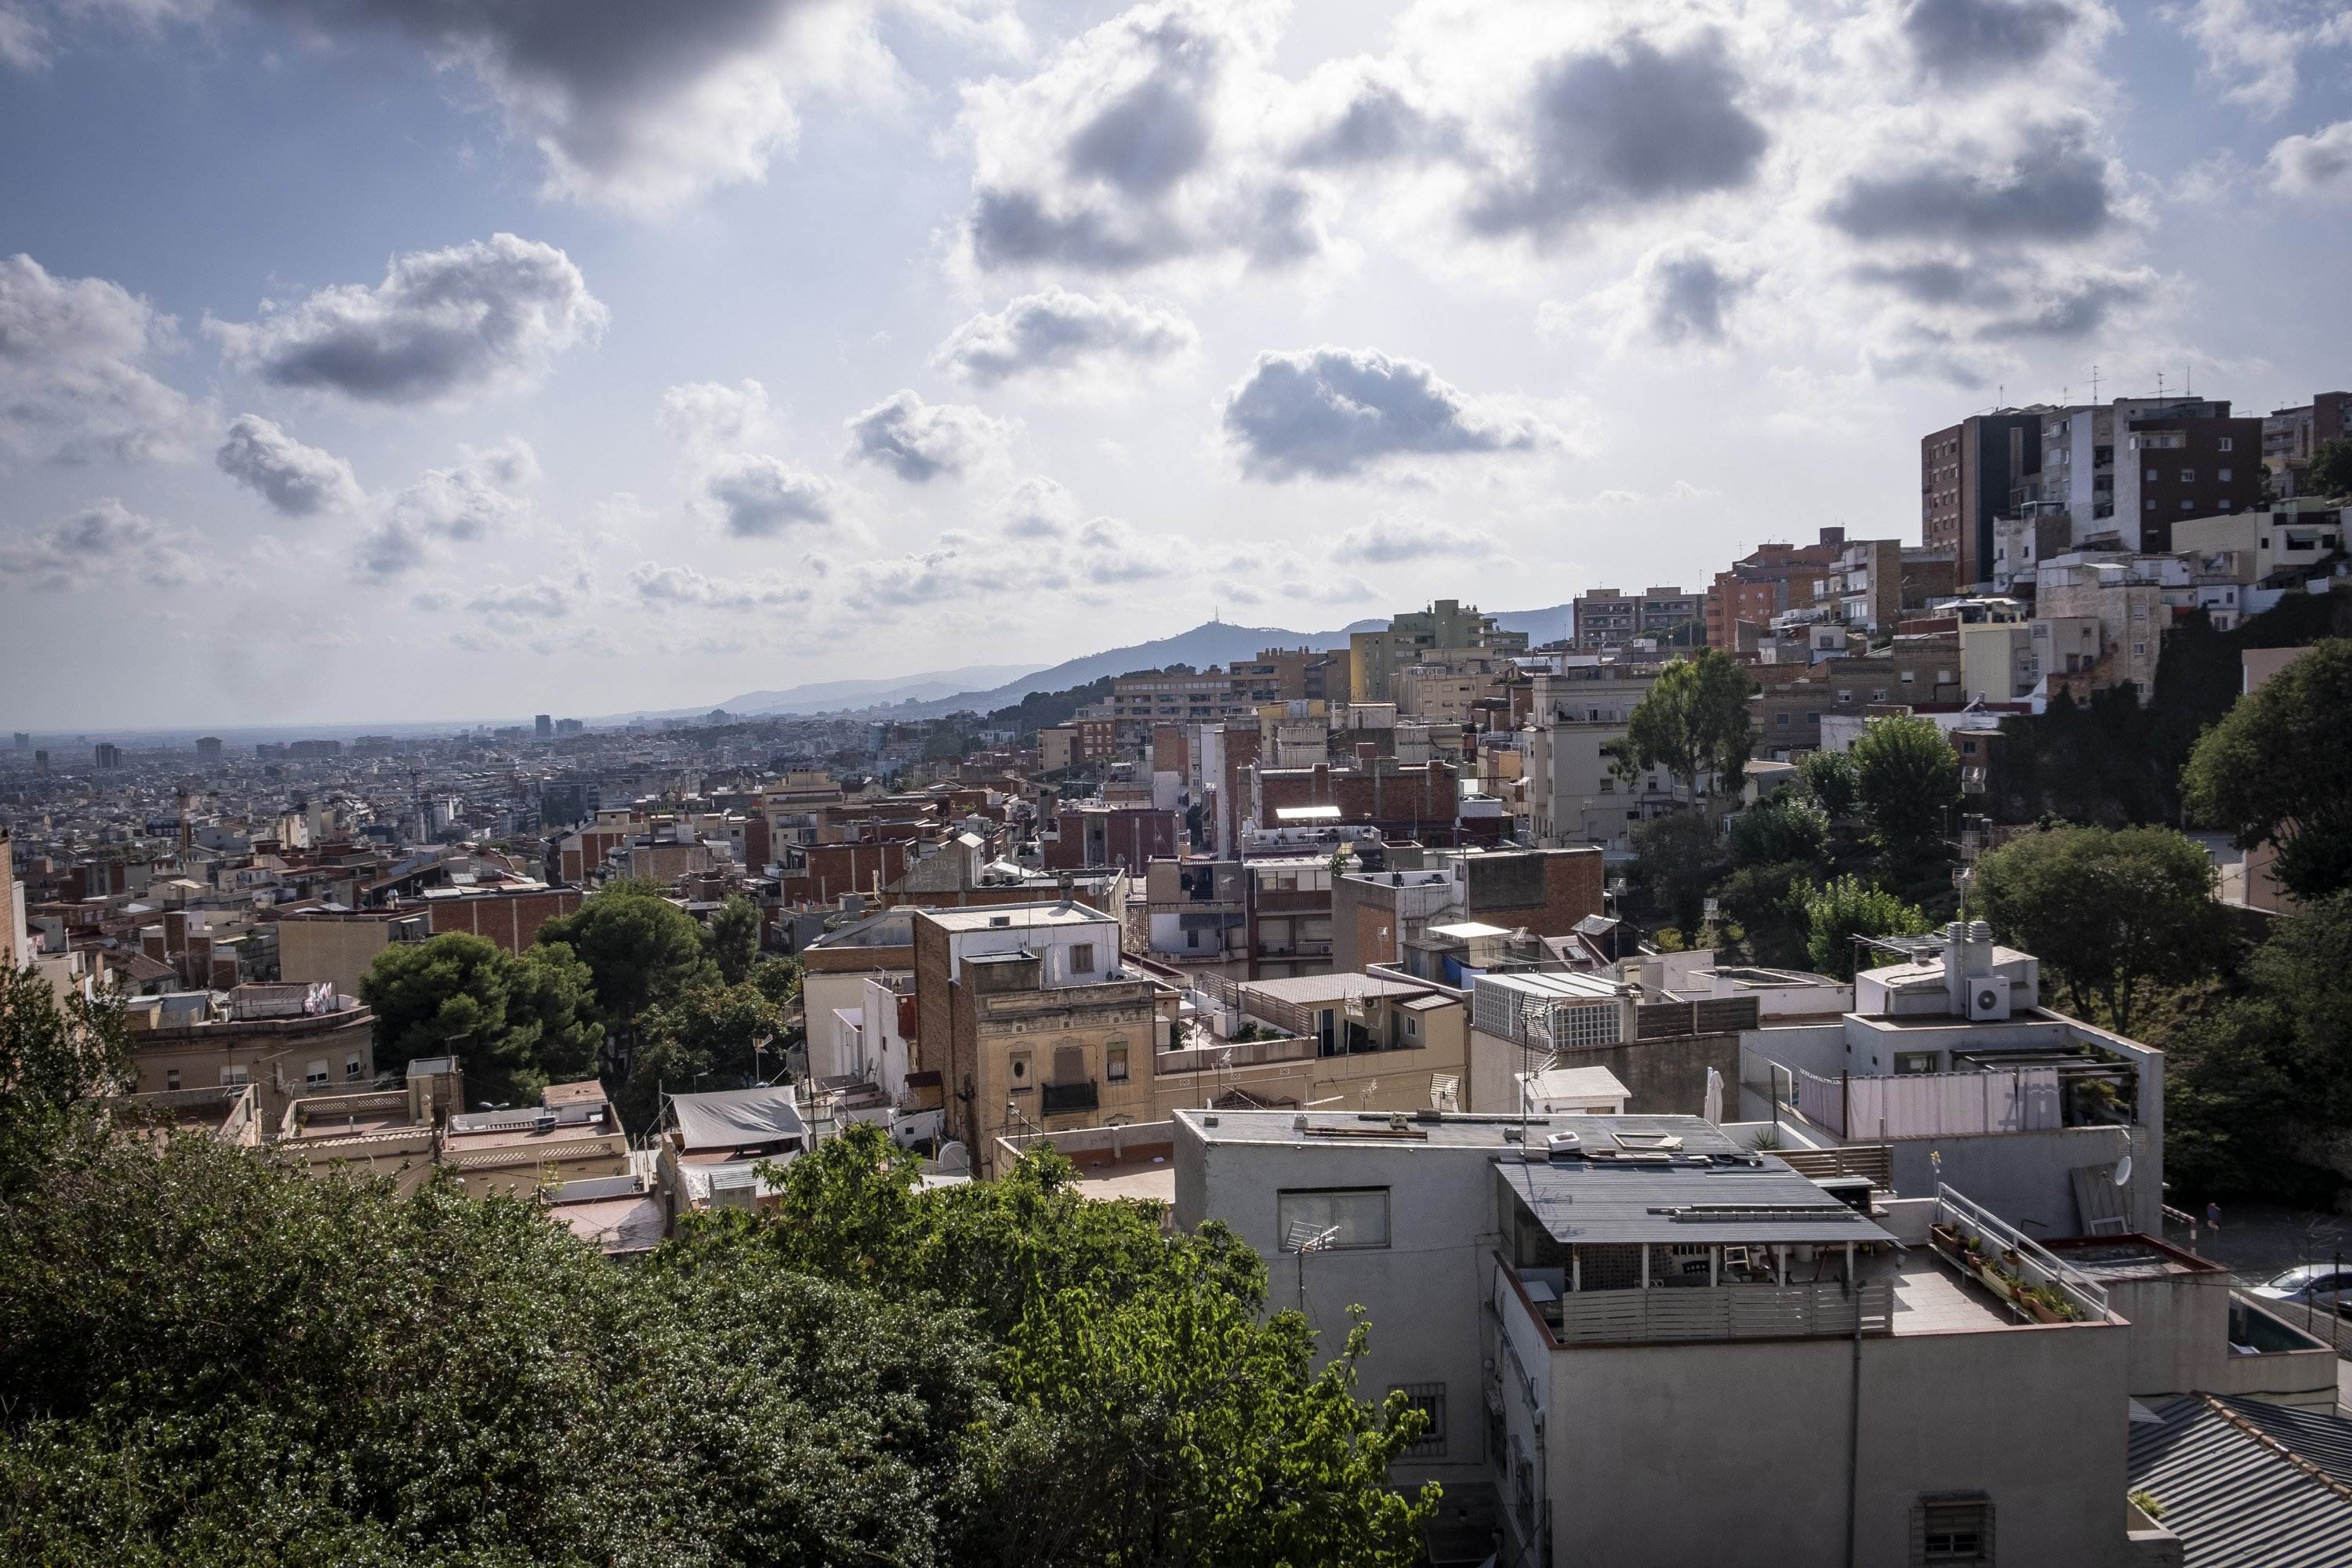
(1547, 892)
(510, 920)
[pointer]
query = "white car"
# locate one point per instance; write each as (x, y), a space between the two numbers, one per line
(2319, 1284)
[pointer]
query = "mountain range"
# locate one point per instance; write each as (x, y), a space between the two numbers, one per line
(1211, 642)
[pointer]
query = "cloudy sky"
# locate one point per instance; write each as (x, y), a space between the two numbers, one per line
(397, 359)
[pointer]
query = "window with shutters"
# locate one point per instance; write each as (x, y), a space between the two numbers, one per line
(1951, 1529)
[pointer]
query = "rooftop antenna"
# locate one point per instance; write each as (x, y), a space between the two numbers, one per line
(2159, 384)
(2094, 381)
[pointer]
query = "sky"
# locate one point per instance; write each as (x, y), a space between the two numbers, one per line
(395, 360)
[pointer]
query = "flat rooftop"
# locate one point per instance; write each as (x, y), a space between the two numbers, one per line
(999, 917)
(1307, 989)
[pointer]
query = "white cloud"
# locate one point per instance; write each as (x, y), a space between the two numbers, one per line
(1059, 334)
(1037, 508)
(683, 587)
(920, 441)
(442, 326)
(759, 497)
(104, 546)
(22, 41)
(1331, 412)
(2317, 165)
(1138, 144)
(473, 500)
(541, 599)
(296, 479)
(705, 417)
(1385, 541)
(74, 379)
(2255, 49)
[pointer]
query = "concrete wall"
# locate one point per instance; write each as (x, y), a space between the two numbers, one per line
(2026, 1177)
(1423, 1293)
(1737, 1454)
(1662, 1078)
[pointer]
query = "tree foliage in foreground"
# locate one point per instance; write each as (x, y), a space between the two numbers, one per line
(211, 1361)
(1909, 780)
(641, 949)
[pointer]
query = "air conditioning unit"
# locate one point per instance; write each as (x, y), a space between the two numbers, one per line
(1988, 998)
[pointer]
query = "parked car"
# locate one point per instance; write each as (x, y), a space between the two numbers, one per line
(2317, 1284)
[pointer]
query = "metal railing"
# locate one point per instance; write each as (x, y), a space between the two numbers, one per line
(1953, 1208)
(1062, 1099)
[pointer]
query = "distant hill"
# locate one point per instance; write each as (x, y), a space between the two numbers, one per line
(827, 695)
(1211, 642)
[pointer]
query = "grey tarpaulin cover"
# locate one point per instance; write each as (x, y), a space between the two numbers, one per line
(734, 1117)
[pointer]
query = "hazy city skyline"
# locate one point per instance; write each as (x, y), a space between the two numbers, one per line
(357, 361)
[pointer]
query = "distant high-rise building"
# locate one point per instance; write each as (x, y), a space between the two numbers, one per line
(570, 726)
(109, 755)
(1971, 474)
(208, 748)
(24, 741)
(545, 725)
(1607, 617)
(41, 764)
(1375, 657)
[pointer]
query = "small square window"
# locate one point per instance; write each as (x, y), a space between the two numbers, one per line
(1115, 1064)
(2223, 474)
(1082, 958)
(1952, 1531)
(2187, 476)
(1429, 1398)
(171, 1077)
(2229, 444)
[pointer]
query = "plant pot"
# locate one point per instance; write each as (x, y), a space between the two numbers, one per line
(2042, 1314)
(1946, 1238)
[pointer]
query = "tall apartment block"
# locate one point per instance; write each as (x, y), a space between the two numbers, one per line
(1608, 617)
(1377, 656)
(1770, 579)
(1971, 474)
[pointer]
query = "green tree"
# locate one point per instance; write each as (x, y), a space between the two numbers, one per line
(1150, 1357)
(56, 1058)
(1908, 778)
(778, 979)
(710, 1038)
(2331, 467)
(2277, 769)
(641, 949)
(1678, 859)
(1838, 911)
(732, 937)
(1780, 849)
(1693, 722)
(515, 1022)
(1829, 777)
(2260, 1082)
(1003, 1373)
(2111, 913)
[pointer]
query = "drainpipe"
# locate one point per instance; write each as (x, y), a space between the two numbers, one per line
(1853, 1415)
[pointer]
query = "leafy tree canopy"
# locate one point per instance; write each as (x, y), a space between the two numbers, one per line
(2277, 769)
(1838, 911)
(212, 1359)
(1693, 722)
(2331, 467)
(518, 1022)
(1908, 778)
(2259, 1083)
(732, 937)
(1677, 859)
(1829, 777)
(641, 949)
(2109, 912)
(56, 1056)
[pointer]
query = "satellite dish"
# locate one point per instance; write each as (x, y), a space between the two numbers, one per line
(2123, 1171)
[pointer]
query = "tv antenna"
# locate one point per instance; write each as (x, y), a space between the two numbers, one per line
(2094, 381)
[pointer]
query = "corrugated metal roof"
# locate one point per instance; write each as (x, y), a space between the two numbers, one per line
(2226, 1473)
